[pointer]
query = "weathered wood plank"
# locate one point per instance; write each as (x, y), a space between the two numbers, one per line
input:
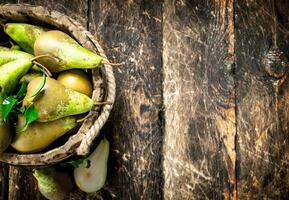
(22, 185)
(199, 99)
(4, 181)
(131, 32)
(262, 108)
(73, 8)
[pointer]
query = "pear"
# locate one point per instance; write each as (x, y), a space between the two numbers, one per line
(39, 135)
(29, 77)
(11, 72)
(68, 53)
(56, 101)
(24, 34)
(8, 55)
(53, 184)
(93, 178)
(5, 136)
(77, 80)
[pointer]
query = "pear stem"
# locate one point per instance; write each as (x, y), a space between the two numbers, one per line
(45, 55)
(82, 119)
(103, 103)
(18, 103)
(43, 69)
(111, 64)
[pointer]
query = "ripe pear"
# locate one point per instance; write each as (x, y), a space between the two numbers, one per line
(53, 184)
(93, 178)
(8, 55)
(77, 80)
(24, 34)
(68, 53)
(29, 77)
(5, 135)
(11, 72)
(39, 135)
(56, 101)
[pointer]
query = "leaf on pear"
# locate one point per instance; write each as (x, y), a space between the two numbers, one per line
(8, 105)
(22, 110)
(37, 91)
(40, 87)
(76, 162)
(22, 91)
(30, 115)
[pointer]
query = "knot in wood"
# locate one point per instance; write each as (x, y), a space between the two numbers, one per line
(275, 63)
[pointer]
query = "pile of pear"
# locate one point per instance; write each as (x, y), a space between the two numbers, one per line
(56, 183)
(65, 96)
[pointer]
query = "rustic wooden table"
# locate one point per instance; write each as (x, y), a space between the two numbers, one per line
(196, 115)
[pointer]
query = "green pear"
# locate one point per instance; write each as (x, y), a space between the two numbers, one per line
(39, 135)
(77, 80)
(11, 72)
(93, 178)
(24, 34)
(68, 53)
(5, 135)
(29, 77)
(53, 184)
(56, 101)
(8, 55)
(15, 47)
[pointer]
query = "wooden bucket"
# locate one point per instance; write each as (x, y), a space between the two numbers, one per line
(103, 85)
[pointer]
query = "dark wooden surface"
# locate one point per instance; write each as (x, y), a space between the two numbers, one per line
(131, 32)
(199, 100)
(262, 111)
(196, 114)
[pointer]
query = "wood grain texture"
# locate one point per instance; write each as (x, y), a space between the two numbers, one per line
(22, 185)
(182, 106)
(262, 114)
(4, 181)
(199, 97)
(74, 8)
(131, 32)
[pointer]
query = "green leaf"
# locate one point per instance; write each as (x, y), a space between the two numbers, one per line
(7, 106)
(40, 87)
(22, 110)
(22, 91)
(79, 161)
(30, 115)
(9, 103)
